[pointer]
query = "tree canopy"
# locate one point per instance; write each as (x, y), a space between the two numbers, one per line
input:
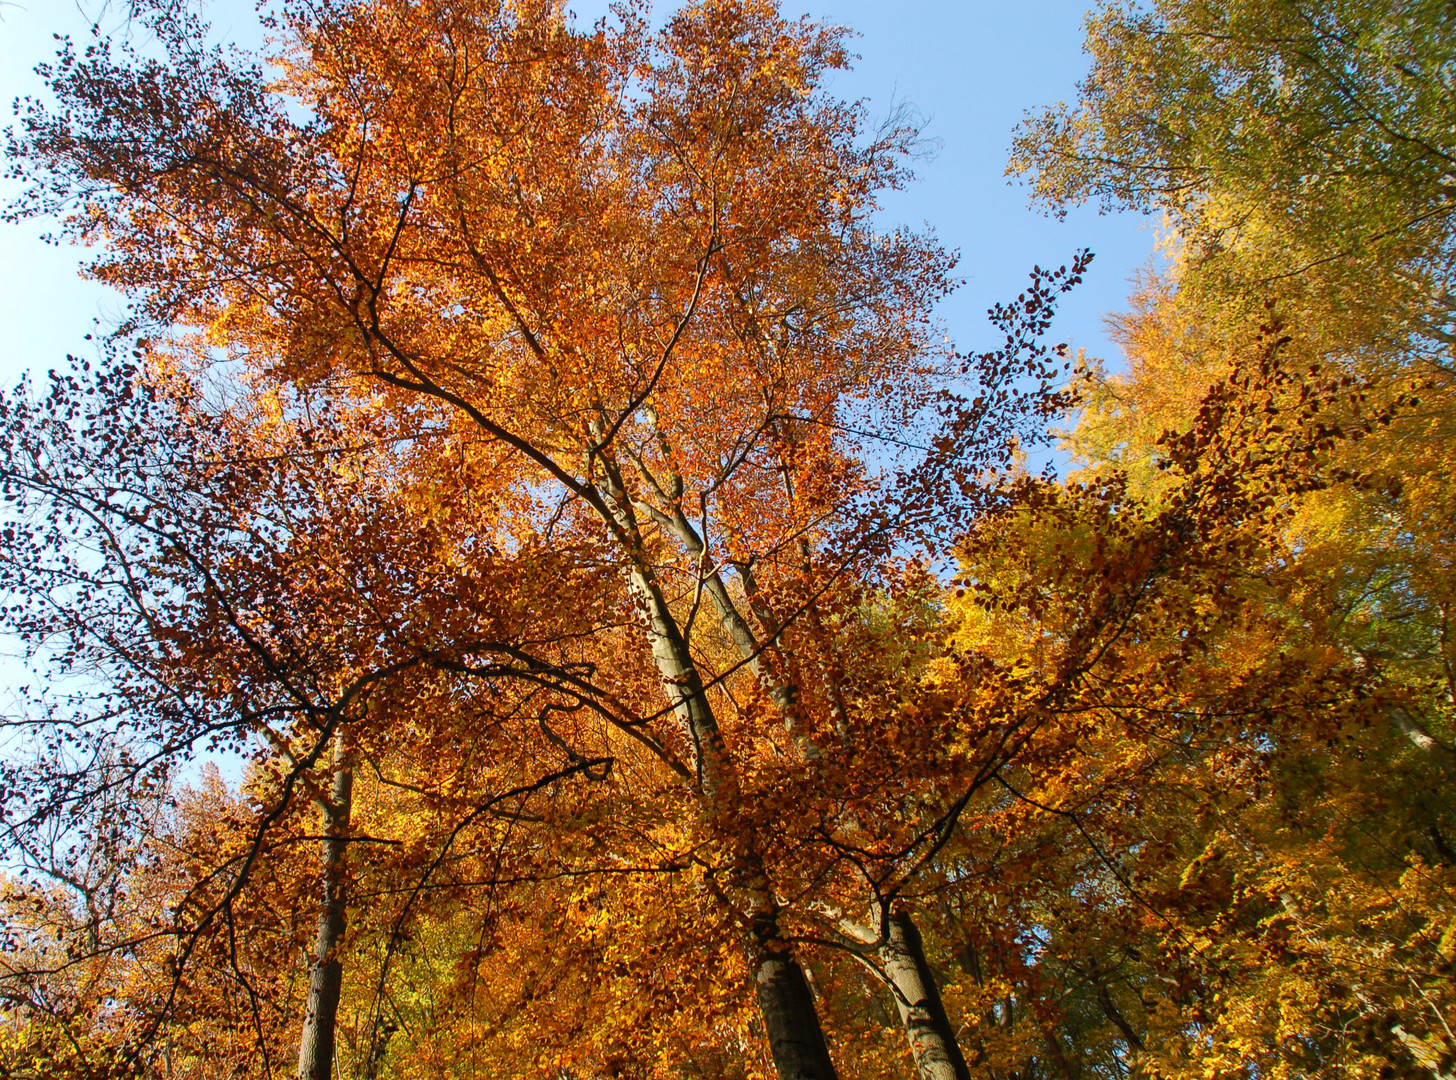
(532, 589)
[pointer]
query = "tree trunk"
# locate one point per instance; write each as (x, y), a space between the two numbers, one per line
(1423, 740)
(783, 692)
(326, 972)
(1065, 1068)
(791, 1020)
(790, 1017)
(970, 961)
(927, 1027)
(684, 689)
(1110, 1009)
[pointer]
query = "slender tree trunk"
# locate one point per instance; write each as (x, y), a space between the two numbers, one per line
(684, 689)
(783, 691)
(790, 1017)
(917, 997)
(326, 972)
(970, 961)
(1111, 1011)
(1423, 740)
(832, 675)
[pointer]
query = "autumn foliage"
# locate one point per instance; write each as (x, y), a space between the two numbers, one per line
(532, 590)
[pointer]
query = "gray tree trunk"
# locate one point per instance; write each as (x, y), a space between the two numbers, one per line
(791, 1020)
(784, 693)
(917, 997)
(790, 1017)
(1423, 740)
(326, 971)
(970, 962)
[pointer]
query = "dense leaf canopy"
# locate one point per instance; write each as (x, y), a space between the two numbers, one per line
(532, 590)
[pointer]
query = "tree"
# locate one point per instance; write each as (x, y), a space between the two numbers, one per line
(614, 434)
(1301, 147)
(1251, 847)
(1302, 159)
(590, 257)
(207, 590)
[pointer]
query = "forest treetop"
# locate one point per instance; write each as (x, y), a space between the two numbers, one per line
(537, 458)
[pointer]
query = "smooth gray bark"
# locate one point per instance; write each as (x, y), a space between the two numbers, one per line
(784, 693)
(917, 998)
(326, 971)
(790, 1017)
(1423, 740)
(671, 518)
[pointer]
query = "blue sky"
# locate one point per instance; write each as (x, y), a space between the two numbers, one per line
(973, 68)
